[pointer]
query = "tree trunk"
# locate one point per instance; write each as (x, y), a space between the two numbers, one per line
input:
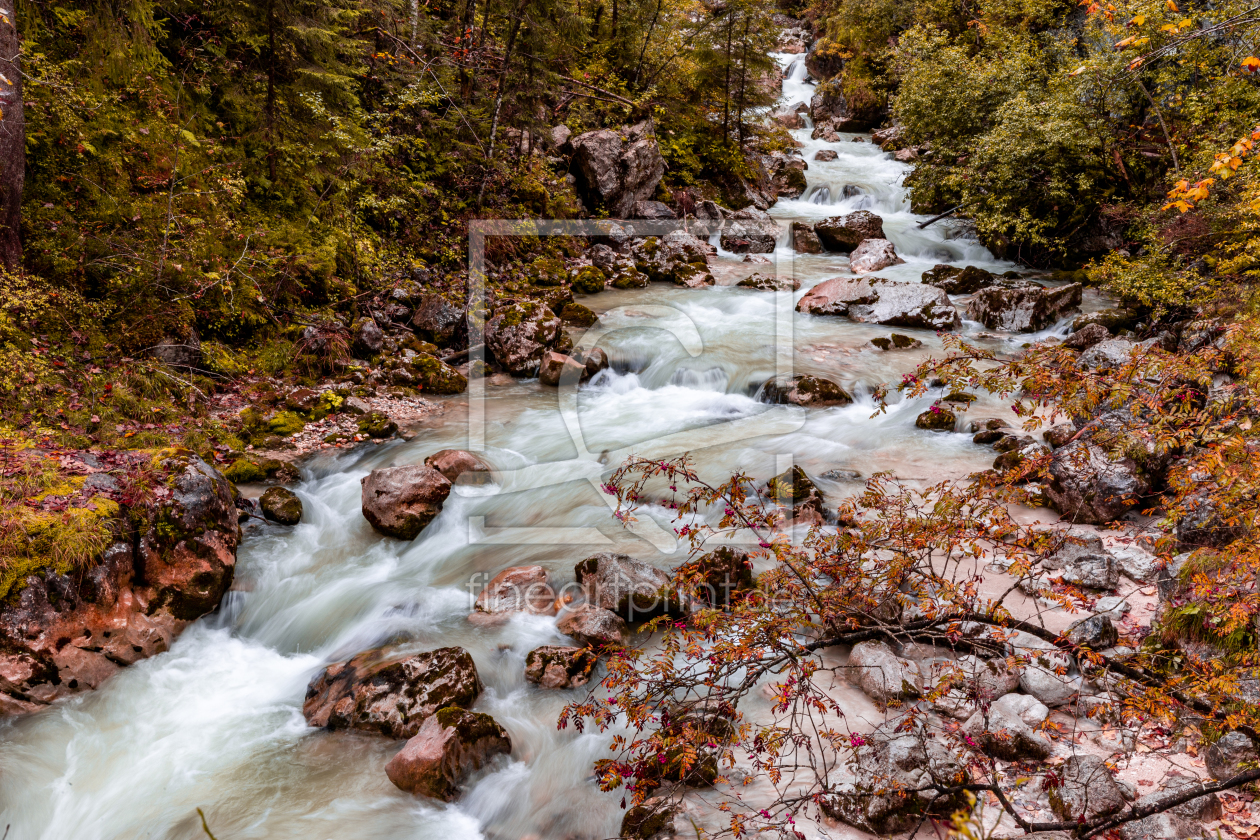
(415, 21)
(743, 86)
(12, 142)
(726, 84)
(517, 19)
(271, 93)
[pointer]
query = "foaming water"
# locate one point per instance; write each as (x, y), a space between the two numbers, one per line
(216, 723)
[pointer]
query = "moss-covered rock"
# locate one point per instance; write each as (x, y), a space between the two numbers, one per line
(589, 280)
(437, 377)
(937, 419)
(578, 315)
(376, 424)
(629, 278)
(547, 271)
(286, 423)
(243, 471)
(281, 506)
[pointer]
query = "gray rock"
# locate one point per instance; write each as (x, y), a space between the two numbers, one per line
(519, 334)
(884, 676)
(750, 231)
(179, 352)
(1091, 486)
(631, 588)
(614, 169)
(1048, 687)
(1007, 730)
(1024, 307)
(1088, 790)
(1084, 561)
(884, 768)
(960, 281)
(875, 300)
(652, 210)
(1232, 754)
(368, 338)
(1110, 354)
(844, 233)
(1164, 826)
(873, 255)
(1086, 337)
(1096, 632)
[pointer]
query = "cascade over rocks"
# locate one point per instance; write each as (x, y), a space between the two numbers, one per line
(844, 233)
(401, 501)
(892, 778)
(615, 169)
(169, 563)
(1023, 307)
(805, 390)
(874, 300)
(393, 694)
(450, 746)
(520, 333)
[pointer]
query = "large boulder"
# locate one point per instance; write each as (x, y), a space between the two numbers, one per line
(1048, 685)
(805, 390)
(874, 300)
(560, 666)
(434, 376)
(615, 169)
(825, 59)
(1086, 790)
(876, 669)
(437, 320)
(1091, 486)
(401, 501)
(1084, 561)
(392, 694)
(1107, 355)
(451, 745)
(894, 779)
(750, 231)
(593, 626)
(1023, 307)
(873, 255)
(520, 333)
(452, 463)
(164, 562)
(787, 174)
(631, 588)
(678, 255)
(844, 233)
(519, 589)
(1006, 729)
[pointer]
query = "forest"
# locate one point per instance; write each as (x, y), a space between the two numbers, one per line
(339, 523)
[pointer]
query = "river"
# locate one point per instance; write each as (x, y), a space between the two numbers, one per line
(215, 723)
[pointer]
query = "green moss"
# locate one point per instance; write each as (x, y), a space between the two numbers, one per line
(589, 280)
(630, 278)
(286, 423)
(374, 424)
(576, 313)
(244, 472)
(437, 377)
(547, 271)
(57, 540)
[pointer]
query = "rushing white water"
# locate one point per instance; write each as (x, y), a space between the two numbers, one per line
(216, 723)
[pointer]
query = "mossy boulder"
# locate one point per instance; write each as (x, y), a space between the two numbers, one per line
(437, 377)
(376, 424)
(805, 390)
(937, 419)
(762, 283)
(629, 278)
(245, 471)
(547, 271)
(578, 315)
(589, 280)
(281, 506)
(286, 423)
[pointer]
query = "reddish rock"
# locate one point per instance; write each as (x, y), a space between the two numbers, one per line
(558, 666)
(450, 746)
(593, 626)
(61, 634)
(844, 233)
(382, 692)
(401, 501)
(452, 463)
(519, 589)
(557, 366)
